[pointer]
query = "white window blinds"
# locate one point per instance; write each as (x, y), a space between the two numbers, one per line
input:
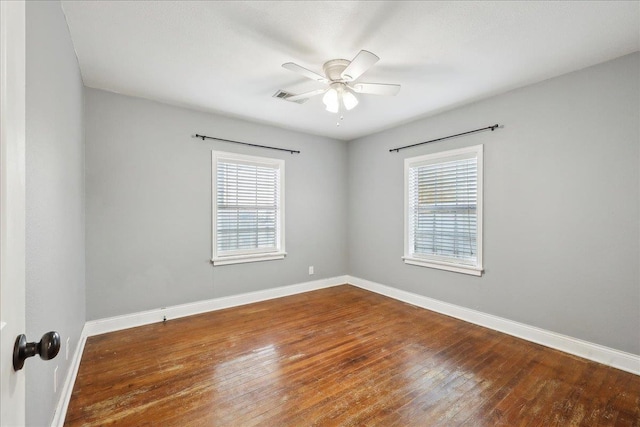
(248, 213)
(443, 205)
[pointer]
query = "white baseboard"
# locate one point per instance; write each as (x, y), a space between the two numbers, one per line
(598, 353)
(67, 389)
(110, 324)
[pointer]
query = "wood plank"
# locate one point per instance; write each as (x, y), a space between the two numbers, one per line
(339, 356)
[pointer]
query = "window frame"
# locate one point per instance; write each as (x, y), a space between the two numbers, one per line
(247, 255)
(434, 261)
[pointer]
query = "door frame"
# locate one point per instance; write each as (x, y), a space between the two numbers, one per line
(12, 206)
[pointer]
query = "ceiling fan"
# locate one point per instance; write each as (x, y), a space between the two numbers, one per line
(340, 75)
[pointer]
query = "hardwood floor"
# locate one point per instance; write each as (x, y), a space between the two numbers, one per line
(339, 356)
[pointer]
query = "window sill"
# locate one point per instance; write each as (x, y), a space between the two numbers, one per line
(240, 259)
(458, 268)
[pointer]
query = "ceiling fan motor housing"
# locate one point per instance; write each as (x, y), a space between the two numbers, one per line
(333, 69)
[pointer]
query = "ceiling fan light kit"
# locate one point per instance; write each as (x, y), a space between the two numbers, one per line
(340, 76)
(338, 95)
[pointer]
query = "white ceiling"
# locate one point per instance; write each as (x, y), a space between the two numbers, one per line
(226, 57)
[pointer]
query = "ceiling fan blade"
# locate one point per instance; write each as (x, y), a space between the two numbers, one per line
(303, 71)
(294, 98)
(361, 63)
(376, 88)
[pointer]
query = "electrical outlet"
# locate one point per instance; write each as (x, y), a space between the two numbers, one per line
(55, 380)
(310, 270)
(67, 348)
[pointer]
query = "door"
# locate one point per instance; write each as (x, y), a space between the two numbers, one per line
(12, 207)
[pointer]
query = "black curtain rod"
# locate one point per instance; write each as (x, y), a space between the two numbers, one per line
(246, 143)
(445, 137)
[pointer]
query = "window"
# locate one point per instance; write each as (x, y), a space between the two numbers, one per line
(443, 210)
(248, 208)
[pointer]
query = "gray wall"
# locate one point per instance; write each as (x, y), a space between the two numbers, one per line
(55, 291)
(561, 205)
(149, 206)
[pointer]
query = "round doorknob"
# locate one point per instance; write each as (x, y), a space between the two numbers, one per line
(47, 348)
